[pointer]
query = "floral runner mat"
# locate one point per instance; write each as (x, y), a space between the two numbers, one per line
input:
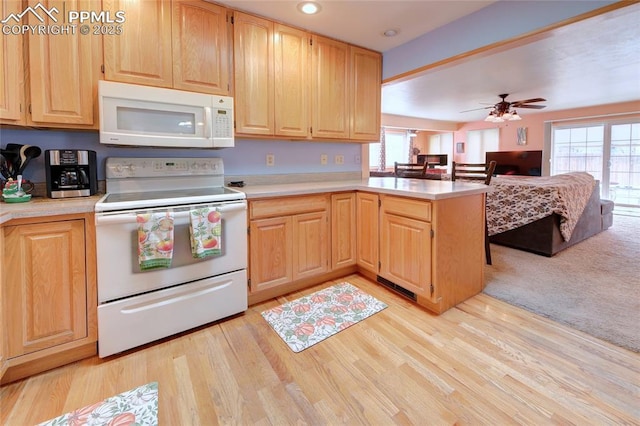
(308, 320)
(137, 406)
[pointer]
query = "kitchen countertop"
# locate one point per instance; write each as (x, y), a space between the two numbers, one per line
(43, 206)
(416, 188)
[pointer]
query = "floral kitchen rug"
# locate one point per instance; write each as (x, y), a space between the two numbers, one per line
(308, 320)
(137, 406)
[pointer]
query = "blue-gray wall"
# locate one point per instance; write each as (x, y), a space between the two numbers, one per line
(248, 157)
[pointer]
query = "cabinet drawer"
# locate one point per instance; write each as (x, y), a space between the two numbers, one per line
(406, 207)
(287, 206)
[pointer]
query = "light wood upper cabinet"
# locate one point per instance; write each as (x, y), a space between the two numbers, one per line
(54, 81)
(330, 88)
(253, 68)
(12, 105)
(343, 230)
(291, 81)
(201, 53)
(367, 231)
(285, 87)
(365, 97)
(271, 78)
(48, 286)
(142, 54)
(178, 44)
(64, 70)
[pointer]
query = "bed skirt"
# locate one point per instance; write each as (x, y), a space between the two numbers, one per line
(543, 236)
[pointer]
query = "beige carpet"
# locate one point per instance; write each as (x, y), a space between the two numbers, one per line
(593, 286)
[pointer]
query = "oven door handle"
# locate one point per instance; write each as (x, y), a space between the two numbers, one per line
(130, 217)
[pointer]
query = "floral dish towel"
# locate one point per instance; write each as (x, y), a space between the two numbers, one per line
(155, 240)
(206, 232)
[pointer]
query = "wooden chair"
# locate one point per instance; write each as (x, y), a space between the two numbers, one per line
(409, 170)
(473, 171)
(476, 172)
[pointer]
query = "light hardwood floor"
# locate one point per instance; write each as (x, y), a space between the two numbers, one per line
(483, 362)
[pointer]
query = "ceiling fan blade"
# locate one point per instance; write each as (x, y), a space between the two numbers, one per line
(477, 109)
(530, 106)
(527, 101)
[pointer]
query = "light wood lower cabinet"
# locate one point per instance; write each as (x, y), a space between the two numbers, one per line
(405, 249)
(3, 350)
(367, 231)
(288, 240)
(271, 242)
(433, 249)
(343, 230)
(429, 250)
(48, 293)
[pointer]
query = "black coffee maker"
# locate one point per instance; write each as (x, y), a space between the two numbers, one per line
(71, 173)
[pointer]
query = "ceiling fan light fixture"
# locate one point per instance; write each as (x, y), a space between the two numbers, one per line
(309, 7)
(515, 116)
(490, 117)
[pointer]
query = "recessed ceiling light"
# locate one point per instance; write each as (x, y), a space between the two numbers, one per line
(390, 33)
(309, 7)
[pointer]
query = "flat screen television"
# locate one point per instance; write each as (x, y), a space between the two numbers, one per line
(433, 159)
(522, 163)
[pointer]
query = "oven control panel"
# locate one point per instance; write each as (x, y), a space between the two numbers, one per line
(119, 167)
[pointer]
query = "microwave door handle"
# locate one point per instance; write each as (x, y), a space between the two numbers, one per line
(208, 123)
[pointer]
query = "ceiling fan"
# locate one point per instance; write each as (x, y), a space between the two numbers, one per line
(505, 110)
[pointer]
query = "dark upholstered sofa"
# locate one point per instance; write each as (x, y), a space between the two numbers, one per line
(543, 236)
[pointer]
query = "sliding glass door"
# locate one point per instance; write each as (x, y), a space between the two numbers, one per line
(610, 151)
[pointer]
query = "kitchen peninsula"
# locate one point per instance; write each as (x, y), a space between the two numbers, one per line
(422, 238)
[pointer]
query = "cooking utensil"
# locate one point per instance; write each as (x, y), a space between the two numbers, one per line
(21, 151)
(27, 153)
(4, 168)
(20, 192)
(12, 154)
(11, 158)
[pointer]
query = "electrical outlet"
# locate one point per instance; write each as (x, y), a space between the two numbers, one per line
(271, 159)
(324, 159)
(339, 159)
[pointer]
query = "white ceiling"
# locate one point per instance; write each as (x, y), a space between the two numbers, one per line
(363, 22)
(587, 63)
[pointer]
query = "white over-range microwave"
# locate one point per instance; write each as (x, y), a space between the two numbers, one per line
(137, 115)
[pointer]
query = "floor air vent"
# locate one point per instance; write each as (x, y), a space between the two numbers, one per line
(395, 287)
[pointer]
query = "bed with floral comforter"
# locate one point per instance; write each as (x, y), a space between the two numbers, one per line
(519, 200)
